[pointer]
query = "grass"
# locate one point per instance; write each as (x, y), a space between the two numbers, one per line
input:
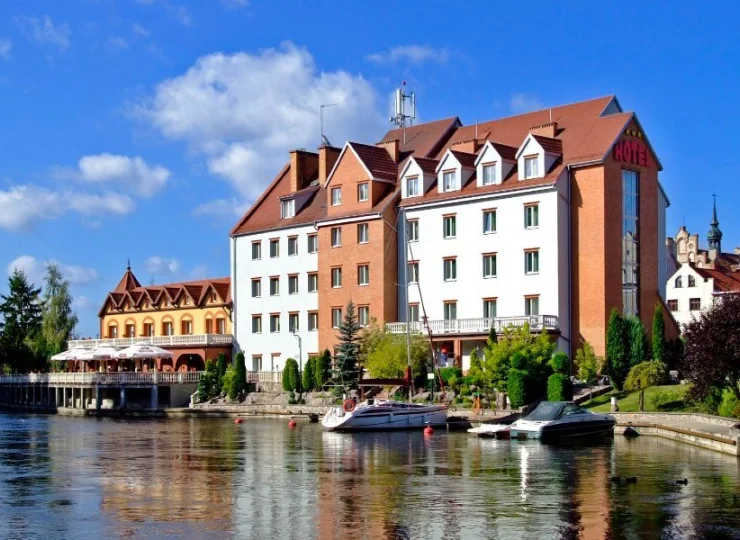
(673, 400)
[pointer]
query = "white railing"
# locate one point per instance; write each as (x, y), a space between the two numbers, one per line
(106, 378)
(159, 341)
(264, 376)
(477, 326)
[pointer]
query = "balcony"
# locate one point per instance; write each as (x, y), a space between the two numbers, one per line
(196, 340)
(482, 325)
(104, 379)
(275, 377)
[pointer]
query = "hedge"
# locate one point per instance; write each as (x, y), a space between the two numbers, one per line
(559, 388)
(516, 387)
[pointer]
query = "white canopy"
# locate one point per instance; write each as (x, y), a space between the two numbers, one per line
(104, 353)
(73, 354)
(143, 352)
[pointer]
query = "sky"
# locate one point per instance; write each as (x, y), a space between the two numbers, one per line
(142, 129)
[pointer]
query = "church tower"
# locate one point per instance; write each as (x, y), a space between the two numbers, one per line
(714, 236)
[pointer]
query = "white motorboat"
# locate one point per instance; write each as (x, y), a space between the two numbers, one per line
(383, 414)
(491, 431)
(561, 420)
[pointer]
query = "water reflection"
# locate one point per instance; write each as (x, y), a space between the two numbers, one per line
(68, 477)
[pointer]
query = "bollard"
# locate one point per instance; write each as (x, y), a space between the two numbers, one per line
(614, 406)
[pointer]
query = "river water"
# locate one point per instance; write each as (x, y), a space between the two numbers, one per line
(65, 477)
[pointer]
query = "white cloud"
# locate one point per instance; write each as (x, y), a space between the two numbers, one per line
(83, 303)
(139, 30)
(244, 111)
(520, 103)
(160, 266)
(5, 47)
(221, 208)
(22, 206)
(131, 172)
(414, 54)
(176, 12)
(235, 3)
(35, 270)
(44, 31)
(117, 42)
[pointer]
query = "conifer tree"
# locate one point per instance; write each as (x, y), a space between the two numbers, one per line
(616, 350)
(58, 321)
(346, 373)
(322, 369)
(658, 334)
(21, 315)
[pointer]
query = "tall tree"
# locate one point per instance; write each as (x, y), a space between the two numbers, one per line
(322, 369)
(346, 373)
(21, 314)
(658, 334)
(616, 349)
(58, 321)
(712, 349)
(637, 341)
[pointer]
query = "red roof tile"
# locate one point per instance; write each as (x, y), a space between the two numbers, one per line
(505, 151)
(549, 145)
(428, 166)
(377, 160)
(423, 140)
(465, 159)
(724, 281)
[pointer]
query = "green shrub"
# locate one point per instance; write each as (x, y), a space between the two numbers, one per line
(321, 369)
(644, 375)
(206, 386)
(663, 398)
(516, 387)
(230, 383)
(309, 379)
(447, 372)
(221, 370)
(291, 397)
(241, 372)
(465, 390)
(559, 387)
(730, 406)
(559, 362)
(453, 382)
(291, 375)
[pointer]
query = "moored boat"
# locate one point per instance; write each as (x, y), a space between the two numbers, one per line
(383, 415)
(561, 420)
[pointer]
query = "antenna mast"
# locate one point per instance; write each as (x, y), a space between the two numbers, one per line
(400, 118)
(323, 141)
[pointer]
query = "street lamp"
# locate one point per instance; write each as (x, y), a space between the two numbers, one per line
(300, 362)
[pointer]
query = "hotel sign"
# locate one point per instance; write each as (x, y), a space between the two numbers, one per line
(631, 152)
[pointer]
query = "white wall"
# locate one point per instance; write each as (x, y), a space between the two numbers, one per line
(425, 180)
(501, 170)
(243, 269)
(704, 290)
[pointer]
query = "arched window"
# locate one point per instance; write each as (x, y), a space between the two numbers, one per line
(186, 325)
(692, 281)
(682, 246)
(678, 283)
(113, 330)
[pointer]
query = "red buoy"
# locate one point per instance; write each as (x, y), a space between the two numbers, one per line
(292, 424)
(428, 430)
(238, 421)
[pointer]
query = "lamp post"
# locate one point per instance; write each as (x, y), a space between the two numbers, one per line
(300, 363)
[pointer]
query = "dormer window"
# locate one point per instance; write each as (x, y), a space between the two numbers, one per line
(288, 208)
(336, 196)
(412, 186)
(489, 174)
(531, 167)
(448, 180)
(363, 192)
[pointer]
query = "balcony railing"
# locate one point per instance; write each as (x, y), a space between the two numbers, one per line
(106, 378)
(480, 325)
(159, 341)
(265, 376)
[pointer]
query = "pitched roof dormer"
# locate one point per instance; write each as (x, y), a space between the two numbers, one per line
(537, 155)
(494, 163)
(128, 281)
(417, 176)
(454, 170)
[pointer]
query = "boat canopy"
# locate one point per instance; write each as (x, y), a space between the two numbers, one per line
(552, 410)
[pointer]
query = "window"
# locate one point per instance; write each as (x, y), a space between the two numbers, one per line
(673, 305)
(630, 242)
(256, 288)
(363, 192)
(186, 328)
(313, 321)
(274, 248)
(287, 208)
(220, 325)
(275, 322)
(313, 282)
(413, 272)
(274, 286)
(448, 180)
(256, 324)
(450, 311)
(449, 226)
(167, 329)
(531, 216)
(293, 284)
(256, 251)
(489, 308)
(692, 281)
(209, 326)
(412, 186)
(293, 322)
(149, 329)
(678, 282)
(489, 265)
(293, 245)
(130, 330)
(363, 315)
(694, 304)
(336, 317)
(531, 167)
(336, 236)
(414, 312)
(532, 262)
(256, 362)
(450, 269)
(531, 305)
(336, 277)
(363, 233)
(186, 300)
(336, 196)
(214, 298)
(412, 229)
(363, 275)
(489, 174)
(489, 221)
(313, 243)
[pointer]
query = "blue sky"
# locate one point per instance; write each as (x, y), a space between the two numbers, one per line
(142, 128)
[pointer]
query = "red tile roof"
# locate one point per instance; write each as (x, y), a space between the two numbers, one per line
(377, 160)
(549, 145)
(423, 140)
(465, 159)
(724, 281)
(428, 166)
(505, 151)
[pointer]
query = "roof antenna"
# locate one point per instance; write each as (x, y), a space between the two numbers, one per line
(323, 141)
(128, 264)
(400, 117)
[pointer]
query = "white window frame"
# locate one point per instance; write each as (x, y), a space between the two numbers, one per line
(363, 197)
(258, 283)
(274, 329)
(449, 180)
(412, 182)
(412, 230)
(413, 315)
(275, 242)
(336, 277)
(363, 280)
(531, 167)
(531, 216)
(293, 280)
(532, 262)
(490, 259)
(292, 241)
(314, 275)
(294, 317)
(487, 303)
(313, 321)
(257, 319)
(363, 233)
(449, 227)
(312, 242)
(336, 314)
(413, 271)
(336, 237)
(529, 303)
(287, 208)
(336, 196)
(488, 167)
(493, 216)
(258, 245)
(363, 316)
(275, 291)
(450, 308)
(451, 265)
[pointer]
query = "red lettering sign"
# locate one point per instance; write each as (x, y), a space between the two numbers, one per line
(631, 152)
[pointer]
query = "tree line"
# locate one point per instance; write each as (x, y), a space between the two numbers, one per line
(35, 325)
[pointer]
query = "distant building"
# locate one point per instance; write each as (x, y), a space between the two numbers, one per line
(703, 275)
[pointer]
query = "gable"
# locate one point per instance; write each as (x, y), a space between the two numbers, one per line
(633, 148)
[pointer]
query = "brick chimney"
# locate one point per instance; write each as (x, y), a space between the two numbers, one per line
(393, 147)
(327, 158)
(303, 169)
(545, 130)
(469, 147)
